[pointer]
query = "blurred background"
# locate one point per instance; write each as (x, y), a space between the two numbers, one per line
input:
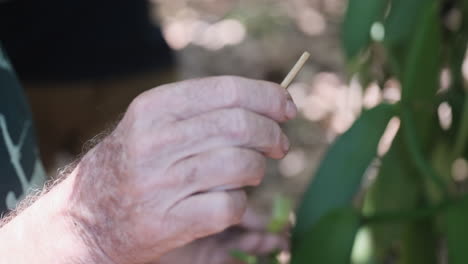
(82, 62)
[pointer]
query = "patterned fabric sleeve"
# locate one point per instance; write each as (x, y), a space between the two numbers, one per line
(20, 167)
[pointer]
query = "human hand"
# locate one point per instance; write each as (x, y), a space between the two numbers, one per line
(250, 237)
(172, 170)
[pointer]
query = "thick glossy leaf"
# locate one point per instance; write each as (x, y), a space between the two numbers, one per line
(360, 16)
(330, 241)
(420, 80)
(456, 229)
(340, 173)
(402, 20)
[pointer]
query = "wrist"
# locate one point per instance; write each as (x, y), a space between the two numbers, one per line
(93, 203)
(45, 232)
(101, 205)
(83, 238)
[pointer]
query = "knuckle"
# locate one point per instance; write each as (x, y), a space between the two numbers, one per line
(230, 155)
(239, 125)
(231, 209)
(189, 177)
(275, 134)
(182, 173)
(139, 104)
(259, 170)
(252, 165)
(231, 90)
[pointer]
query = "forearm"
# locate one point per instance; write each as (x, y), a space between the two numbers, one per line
(45, 233)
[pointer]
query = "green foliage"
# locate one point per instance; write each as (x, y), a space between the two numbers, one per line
(244, 257)
(456, 228)
(418, 243)
(402, 20)
(396, 180)
(420, 79)
(340, 173)
(282, 206)
(414, 205)
(360, 16)
(333, 235)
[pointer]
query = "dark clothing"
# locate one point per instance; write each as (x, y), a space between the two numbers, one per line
(67, 40)
(81, 62)
(20, 167)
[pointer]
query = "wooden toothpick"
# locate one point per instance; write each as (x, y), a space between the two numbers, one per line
(295, 70)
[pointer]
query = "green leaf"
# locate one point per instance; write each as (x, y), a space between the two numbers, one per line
(420, 84)
(441, 159)
(457, 41)
(414, 139)
(244, 257)
(402, 20)
(360, 16)
(396, 179)
(282, 206)
(330, 241)
(457, 95)
(421, 77)
(456, 229)
(340, 173)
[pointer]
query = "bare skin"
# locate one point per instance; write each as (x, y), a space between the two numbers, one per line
(250, 236)
(170, 173)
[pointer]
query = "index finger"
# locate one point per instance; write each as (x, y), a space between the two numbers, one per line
(187, 99)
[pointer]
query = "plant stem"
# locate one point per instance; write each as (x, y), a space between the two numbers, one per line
(402, 216)
(412, 214)
(415, 152)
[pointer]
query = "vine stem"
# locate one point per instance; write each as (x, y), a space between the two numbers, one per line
(401, 216)
(415, 152)
(412, 214)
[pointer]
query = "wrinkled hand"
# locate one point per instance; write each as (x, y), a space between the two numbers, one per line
(172, 170)
(250, 237)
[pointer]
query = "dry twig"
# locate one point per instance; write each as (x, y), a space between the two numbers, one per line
(295, 70)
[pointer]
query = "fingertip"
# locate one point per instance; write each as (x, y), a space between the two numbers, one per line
(282, 107)
(291, 109)
(285, 145)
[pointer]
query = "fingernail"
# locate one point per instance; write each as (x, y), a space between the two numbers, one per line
(285, 144)
(291, 109)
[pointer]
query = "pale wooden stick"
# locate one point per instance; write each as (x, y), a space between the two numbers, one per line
(295, 70)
